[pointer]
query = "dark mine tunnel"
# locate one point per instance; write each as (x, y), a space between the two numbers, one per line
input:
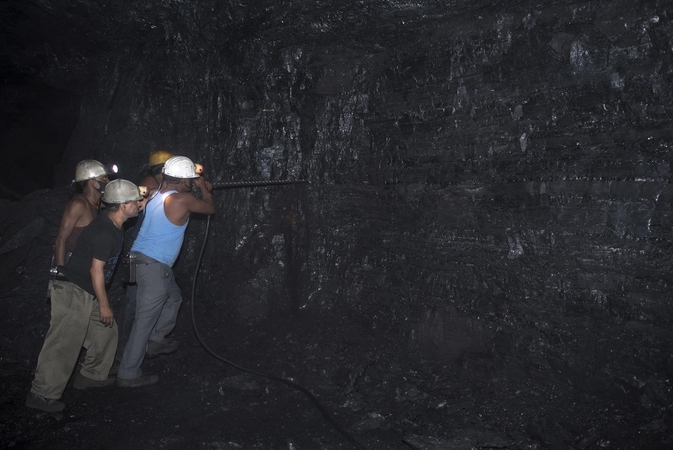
(478, 255)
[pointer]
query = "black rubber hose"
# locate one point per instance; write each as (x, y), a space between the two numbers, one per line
(292, 384)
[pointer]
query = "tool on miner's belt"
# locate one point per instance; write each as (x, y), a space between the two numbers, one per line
(132, 268)
(53, 271)
(129, 261)
(292, 384)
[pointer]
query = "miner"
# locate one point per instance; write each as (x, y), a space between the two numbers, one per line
(156, 248)
(80, 311)
(91, 178)
(152, 180)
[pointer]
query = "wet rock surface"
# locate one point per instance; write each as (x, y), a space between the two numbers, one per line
(600, 385)
(482, 257)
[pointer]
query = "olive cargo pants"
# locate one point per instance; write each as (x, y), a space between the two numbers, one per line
(75, 323)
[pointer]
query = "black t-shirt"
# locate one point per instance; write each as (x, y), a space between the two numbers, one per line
(102, 240)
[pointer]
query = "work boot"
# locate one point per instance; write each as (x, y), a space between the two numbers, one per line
(44, 404)
(165, 347)
(146, 380)
(82, 382)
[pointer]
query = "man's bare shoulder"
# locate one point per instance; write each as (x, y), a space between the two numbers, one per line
(78, 202)
(177, 198)
(180, 197)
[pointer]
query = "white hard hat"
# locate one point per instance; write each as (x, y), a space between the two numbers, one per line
(121, 191)
(180, 167)
(89, 169)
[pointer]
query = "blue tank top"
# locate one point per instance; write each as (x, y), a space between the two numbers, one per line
(158, 237)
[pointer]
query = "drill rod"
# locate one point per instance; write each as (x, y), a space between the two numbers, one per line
(258, 183)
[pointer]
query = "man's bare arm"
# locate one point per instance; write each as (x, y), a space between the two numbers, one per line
(179, 206)
(98, 281)
(206, 205)
(72, 214)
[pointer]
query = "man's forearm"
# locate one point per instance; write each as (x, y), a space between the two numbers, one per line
(98, 282)
(59, 252)
(208, 198)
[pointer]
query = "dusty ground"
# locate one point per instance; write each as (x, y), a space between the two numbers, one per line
(372, 384)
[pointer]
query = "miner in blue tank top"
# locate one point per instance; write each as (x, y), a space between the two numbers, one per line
(156, 248)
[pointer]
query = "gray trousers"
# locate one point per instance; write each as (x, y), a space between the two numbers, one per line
(75, 323)
(158, 301)
(129, 317)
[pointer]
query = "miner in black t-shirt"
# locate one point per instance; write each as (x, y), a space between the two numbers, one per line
(80, 311)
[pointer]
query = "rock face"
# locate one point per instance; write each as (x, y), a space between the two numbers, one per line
(489, 194)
